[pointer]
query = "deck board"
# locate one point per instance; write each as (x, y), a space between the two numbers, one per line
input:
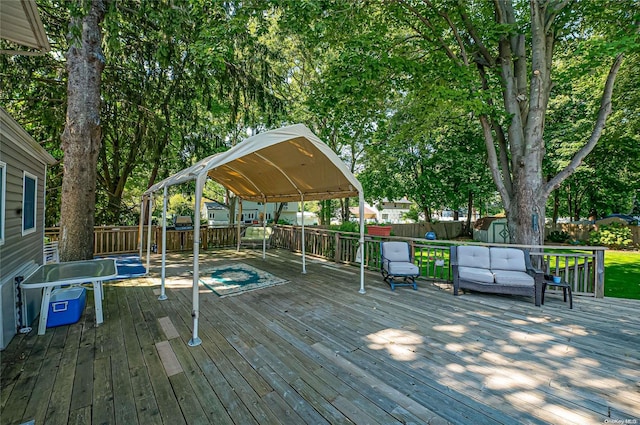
(315, 351)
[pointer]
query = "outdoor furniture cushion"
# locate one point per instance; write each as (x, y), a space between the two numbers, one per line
(507, 259)
(397, 263)
(253, 235)
(476, 273)
(474, 256)
(256, 233)
(498, 270)
(510, 277)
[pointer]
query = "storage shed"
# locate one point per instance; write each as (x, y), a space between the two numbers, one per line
(491, 230)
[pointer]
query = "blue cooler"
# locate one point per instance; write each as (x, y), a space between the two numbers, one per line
(66, 306)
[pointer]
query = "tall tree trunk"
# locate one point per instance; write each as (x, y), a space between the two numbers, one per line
(81, 139)
(520, 182)
(276, 216)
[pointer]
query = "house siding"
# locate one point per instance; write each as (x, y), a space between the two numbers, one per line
(19, 249)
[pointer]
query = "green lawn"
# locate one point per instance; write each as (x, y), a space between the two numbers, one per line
(622, 274)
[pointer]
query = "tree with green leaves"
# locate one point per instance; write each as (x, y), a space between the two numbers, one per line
(504, 52)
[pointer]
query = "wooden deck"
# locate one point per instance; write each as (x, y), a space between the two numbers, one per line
(316, 351)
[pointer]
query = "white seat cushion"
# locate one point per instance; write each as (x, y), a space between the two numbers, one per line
(509, 277)
(507, 259)
(476, 274)
(474, 256)
(396, 251)
(402, 269)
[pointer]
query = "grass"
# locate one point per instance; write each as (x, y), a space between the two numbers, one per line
(622, 274)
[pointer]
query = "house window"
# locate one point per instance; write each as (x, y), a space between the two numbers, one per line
(212, 216)
(385, 217)
(29, 193)
(3, 179)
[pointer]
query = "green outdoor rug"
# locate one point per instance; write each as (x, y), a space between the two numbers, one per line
(237, 278)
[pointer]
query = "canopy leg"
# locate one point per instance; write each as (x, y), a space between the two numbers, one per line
(304, 261)
(163, 295)
(264, 229)
(149, 234)
(361, 242)
(195, 313)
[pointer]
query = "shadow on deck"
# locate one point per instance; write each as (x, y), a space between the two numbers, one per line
(316, 351)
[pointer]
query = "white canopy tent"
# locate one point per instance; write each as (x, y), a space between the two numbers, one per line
(282, 165)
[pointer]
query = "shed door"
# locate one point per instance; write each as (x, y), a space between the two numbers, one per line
(500, 232)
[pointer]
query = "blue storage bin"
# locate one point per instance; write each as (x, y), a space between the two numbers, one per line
(66, 306)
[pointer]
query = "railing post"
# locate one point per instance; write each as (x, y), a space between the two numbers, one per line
(599, 274)
(338, 246)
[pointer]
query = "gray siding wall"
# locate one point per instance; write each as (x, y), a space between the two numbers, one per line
(18, 249)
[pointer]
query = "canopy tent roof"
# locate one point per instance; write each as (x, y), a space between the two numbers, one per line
(368, 212)
(287, 164)
(282, 165)
(20, 23)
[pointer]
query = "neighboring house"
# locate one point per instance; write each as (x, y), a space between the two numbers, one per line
(393, 211)
(215, 213)
(310, 218)
(23, 170)
(218, 214)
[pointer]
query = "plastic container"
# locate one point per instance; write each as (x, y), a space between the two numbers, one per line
(66, 306)
(557, 279)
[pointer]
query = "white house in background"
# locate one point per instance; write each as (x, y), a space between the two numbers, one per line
(393, 211)
(218, 214)
(310, 218)
(23, 171)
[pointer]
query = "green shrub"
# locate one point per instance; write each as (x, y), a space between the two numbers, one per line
(612, 235)
(558, 237)
(348, 226)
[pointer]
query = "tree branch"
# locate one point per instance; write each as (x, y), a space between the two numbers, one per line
(474, 35)
(554, 8)
(429, 25)
(493, 163)
(502, 141)
(605, 110)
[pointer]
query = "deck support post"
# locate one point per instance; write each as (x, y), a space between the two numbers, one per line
(195, 313)
(163, 295)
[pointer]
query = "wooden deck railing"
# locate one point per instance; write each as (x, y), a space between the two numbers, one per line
(582, 267)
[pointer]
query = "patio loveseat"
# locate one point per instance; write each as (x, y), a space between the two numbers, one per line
(252, 236)
(495, 270)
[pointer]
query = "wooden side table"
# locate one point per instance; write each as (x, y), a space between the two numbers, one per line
(566, 288)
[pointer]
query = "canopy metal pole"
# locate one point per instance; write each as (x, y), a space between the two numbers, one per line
(362, 250)
(163, 295)
(264, 228)
(141, 228)
(195, 313)
(239, 219)
(304, 262)
(149, 233)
